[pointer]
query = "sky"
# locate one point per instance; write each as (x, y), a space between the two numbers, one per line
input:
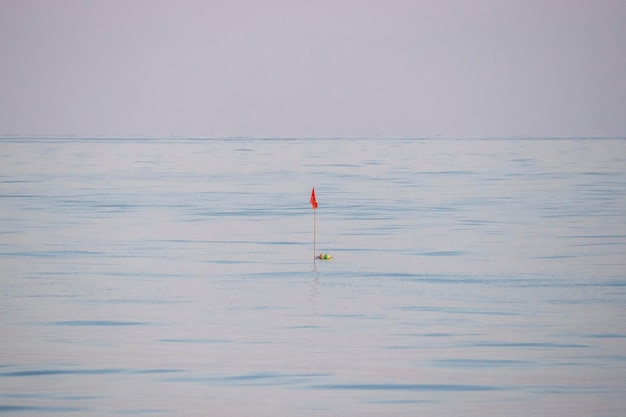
(318, 68)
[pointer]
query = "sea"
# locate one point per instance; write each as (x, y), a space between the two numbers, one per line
(177, 277)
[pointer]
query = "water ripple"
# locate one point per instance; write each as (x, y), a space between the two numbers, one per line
(409, 387)
(49, 372)
(96, 323)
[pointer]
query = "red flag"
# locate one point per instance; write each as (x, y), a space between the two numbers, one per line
(313, 200)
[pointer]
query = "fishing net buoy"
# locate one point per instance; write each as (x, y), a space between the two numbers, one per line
(324, 256)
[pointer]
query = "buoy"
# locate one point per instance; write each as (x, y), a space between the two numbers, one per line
(324, 256)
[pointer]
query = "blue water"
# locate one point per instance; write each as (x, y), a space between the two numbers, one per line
(474, 277)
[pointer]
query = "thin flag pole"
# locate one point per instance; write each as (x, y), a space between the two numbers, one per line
(314, 236)
(314, 205)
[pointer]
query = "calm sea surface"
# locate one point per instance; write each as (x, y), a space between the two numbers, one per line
(175, 277)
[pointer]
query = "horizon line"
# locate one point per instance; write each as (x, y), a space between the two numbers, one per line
(287, 137)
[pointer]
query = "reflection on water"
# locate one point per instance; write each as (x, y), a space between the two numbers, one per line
(471, 277)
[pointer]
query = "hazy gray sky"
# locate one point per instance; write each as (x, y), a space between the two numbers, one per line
(313, 68)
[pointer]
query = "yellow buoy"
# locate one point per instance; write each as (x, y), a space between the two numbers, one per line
(324, 256)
